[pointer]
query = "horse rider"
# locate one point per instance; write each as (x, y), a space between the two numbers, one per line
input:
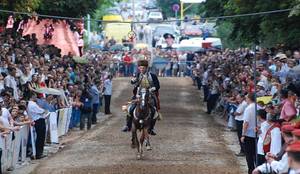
(144, 79)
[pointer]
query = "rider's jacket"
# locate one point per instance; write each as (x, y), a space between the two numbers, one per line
(147, 80)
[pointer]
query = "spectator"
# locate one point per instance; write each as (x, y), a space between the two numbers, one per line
(10, 82)
(288, 111)
(275, 164)
(37, 114)
(214, 94)
(249, 135)
(86, 109)
(76, 109)
(95, 100)
(107, 92)
(239, 121)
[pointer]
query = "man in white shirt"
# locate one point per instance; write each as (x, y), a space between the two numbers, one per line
(107, 92)
(239, 120)
(205, 84)
(36, 113)
(11, 82)
(249, 134)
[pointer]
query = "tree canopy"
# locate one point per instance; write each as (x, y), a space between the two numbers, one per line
(266, 29)
(68, 8)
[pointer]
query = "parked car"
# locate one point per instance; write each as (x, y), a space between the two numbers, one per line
(155, 16)
(192, 31)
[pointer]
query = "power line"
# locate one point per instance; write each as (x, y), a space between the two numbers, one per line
(174, 20)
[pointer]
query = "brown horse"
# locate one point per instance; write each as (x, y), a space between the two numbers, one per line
(141, 121)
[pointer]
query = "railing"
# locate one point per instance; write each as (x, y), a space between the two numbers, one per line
(14, 145)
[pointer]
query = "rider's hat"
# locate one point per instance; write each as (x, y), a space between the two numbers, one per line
(143, 63)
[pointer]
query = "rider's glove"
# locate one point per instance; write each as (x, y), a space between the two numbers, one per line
(133, 80)
(152, 89)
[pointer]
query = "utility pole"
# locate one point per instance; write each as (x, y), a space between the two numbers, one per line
(89, 27)
(133, 10)
(133, 19)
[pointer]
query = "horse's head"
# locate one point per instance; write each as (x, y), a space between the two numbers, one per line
(144, 99)
(143, 105)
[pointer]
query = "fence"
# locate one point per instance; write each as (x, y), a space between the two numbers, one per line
(14, 145)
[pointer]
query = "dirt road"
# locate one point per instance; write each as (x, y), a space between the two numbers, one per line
(188, 140)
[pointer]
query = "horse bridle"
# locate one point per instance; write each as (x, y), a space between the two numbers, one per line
(143, 102)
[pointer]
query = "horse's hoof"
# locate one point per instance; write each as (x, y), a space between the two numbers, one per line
(138, 156)
(148, 148)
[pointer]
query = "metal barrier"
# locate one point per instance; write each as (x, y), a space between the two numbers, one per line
(14, 145)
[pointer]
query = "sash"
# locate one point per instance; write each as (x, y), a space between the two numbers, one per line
(268, 138)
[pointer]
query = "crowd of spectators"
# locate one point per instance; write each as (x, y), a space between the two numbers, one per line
(232, 82)
(26, 67)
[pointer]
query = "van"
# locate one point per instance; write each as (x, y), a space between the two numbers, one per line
(117, 30)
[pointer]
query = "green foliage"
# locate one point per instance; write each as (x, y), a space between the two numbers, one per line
(17, 5)
(99, 13)
(265, 30)
(166, 6)
(296, 9)
(69, 8)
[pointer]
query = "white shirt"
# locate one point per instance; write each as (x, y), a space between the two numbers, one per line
(10, 81)
(250, 118)
(260, 143)
(215, 87)
(205, 78)
(292, 171)
(278, 167)
(240, 109)
(25, 78)
(1, 85)
(275, 141)
(108, 87)
(5, 117)
(273, 90)
(34, 110)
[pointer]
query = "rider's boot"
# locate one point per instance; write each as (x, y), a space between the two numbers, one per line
(151, 129)
(128, 125)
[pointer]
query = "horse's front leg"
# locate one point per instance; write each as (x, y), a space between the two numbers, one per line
(142, 139)
(147, 137)
(134, 139)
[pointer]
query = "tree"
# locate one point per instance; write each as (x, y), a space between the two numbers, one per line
(166, 6)
(68, 8)
(266, 29)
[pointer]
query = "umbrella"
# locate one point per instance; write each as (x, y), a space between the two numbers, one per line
(49, 91)
(117, 47)
(166, 35)
(264, 99)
